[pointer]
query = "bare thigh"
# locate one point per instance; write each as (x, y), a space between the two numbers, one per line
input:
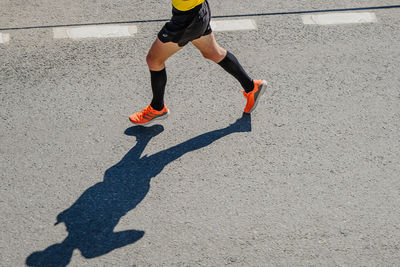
(159, 53)
(209, 48)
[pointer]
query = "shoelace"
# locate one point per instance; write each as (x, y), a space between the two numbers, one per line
(145, 111)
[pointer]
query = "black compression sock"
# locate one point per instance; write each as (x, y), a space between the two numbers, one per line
(232, 65)
(158, 82)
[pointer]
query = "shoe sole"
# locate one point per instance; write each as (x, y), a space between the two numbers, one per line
(261, 90)
(162, 117)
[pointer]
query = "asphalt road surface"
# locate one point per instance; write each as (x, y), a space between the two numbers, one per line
(311, 178)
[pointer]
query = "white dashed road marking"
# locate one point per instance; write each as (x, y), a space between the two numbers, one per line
(4, 38)
(104, 31)
(233, 25)
(112, 31)
(339, 18)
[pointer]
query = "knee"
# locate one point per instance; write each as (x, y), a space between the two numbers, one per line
(153, 62)
(216, 55)
(208, 56)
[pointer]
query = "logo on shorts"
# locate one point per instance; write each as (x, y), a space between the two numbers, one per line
(165, 35)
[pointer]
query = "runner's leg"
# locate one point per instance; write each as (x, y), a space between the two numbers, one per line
(159, 53)
(211, 50)
(156, 57)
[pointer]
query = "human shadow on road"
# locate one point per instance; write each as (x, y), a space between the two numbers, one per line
(91, 220)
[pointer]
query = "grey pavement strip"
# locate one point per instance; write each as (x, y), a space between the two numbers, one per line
(315, 181)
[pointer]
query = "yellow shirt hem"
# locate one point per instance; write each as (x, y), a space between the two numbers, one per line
(182, 5)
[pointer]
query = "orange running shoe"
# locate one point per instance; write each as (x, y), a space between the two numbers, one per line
(253, 96)
(148, 114)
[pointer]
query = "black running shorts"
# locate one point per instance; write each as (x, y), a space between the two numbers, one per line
(186, 26)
